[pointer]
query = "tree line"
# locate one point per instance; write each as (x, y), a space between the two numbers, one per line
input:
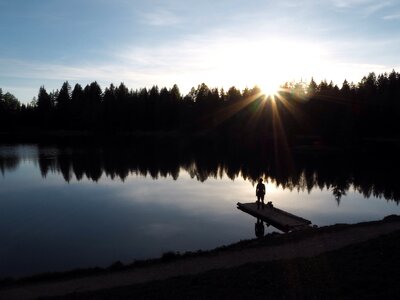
(369, 108)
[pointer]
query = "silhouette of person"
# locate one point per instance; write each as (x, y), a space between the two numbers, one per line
(259, 228)
(260, 192)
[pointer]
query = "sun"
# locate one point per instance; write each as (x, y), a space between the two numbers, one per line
(269, 90)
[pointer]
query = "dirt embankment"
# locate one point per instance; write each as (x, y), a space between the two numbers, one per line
(282, 248)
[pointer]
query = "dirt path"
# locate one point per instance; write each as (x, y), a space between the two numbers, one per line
(307, 247)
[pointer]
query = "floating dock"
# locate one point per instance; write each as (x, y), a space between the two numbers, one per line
(276, 217)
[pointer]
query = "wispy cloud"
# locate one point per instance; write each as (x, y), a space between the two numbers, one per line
(373, 8)
(392, 17)
(364, 7)
(160, 17)
(351, 3)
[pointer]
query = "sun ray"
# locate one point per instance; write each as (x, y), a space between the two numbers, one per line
(281, 145)
(297, 114)
(223, 114)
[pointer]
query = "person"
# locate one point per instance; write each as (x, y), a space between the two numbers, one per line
(260, 192)
(259, 228)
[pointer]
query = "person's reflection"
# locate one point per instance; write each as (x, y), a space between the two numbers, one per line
(259, 228)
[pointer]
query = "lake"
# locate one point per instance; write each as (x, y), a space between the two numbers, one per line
(66, 207)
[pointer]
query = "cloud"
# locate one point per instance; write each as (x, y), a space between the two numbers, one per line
(373, 8)
(364, 7)
(160, 17)
(350, 3)
(392, 17)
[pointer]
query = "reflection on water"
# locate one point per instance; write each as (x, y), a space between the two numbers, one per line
(259, 228)
(376, 176)
(69, 207)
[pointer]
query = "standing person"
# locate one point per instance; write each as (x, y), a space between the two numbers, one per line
(260, 192)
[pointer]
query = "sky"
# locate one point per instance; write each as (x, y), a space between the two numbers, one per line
(222, 43)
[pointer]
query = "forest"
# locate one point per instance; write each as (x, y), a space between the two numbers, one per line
(368, 109)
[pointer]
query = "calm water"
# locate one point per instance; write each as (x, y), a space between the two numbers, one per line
(65, 208)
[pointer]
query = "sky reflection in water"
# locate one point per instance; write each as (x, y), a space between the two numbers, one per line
(49, 224)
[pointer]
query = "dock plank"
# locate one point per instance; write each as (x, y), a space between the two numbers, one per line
(278, 218)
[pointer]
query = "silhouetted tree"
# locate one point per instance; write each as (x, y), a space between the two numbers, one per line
(44, 108)
(110, 108)
(77, 100)
(63, 106)
(91, 107)
(122, 98)
(10, 109)
(312, 88)
(10, 102)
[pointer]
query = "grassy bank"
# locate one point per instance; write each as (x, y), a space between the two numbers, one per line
(368, 270)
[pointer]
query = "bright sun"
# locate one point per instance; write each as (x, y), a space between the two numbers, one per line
(266, 63)
(269, 90)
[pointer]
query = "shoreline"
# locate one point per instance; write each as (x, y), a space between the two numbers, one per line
(299, 142)
(307, 243)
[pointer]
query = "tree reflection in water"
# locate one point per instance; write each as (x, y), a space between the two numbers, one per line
(371, 175)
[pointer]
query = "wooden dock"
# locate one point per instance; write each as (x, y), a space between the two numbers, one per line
(276, 217)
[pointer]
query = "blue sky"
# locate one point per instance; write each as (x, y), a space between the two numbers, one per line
(221, 43)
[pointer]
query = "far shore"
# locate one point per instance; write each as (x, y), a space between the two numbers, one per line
(299, 144)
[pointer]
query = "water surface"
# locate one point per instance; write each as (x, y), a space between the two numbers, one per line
(76, 207)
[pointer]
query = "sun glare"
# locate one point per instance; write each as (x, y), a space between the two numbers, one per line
(266, 63)
(269, 90)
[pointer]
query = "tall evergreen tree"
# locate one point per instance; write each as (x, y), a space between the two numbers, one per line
(1, 105)
(233, 95)
(110, 111)
(92, 96)
(44, 107)
(312, 88)
(63, 106)
(175, 93)
(77, 102)
(64, 96)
